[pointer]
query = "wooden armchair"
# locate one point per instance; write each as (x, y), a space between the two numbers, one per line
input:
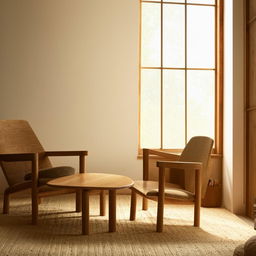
(193, 158)
(26, 165)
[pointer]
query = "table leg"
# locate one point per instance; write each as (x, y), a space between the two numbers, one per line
(102, 203)
(112, 210)
(85, 212)
(78, 200)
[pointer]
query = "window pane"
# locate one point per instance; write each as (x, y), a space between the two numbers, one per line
(173, 35)
(201, 103)
(174, 109)
(201, 36)
(150, 108)
(151, 35)
(201, 1)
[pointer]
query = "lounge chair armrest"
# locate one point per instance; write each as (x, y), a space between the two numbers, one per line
(18, 157)
(163, 154)
(80, 153)
(66, 153)
(179, 164)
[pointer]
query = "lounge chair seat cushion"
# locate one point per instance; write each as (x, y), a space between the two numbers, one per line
(48, 174)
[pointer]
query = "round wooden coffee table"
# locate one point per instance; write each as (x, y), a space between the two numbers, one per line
(94, 181)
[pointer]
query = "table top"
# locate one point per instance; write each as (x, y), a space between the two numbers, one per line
(93, 181)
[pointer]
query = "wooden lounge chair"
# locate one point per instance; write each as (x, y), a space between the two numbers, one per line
(26, 165)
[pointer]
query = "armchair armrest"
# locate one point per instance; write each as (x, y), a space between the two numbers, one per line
(146, 155)
(66, 153)
(80, 153)
(17, 157)
(163, 154)
(179, 164)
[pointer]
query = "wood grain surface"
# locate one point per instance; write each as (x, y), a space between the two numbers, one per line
(92, 181)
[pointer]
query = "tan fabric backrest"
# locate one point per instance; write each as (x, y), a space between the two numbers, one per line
(198, 149)
(16, 136)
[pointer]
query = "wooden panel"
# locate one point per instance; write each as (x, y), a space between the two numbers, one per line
(252, 9)
(252, 64)
(250, 105)
(251, 161)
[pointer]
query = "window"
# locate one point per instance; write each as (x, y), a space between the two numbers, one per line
(180, 72)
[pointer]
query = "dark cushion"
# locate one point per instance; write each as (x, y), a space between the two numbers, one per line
(45, 175)
(239, 251)
(250, 246)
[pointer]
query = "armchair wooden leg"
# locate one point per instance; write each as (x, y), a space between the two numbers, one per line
(197, 199)
(102, 203)
(133, 205)
(144, 204)
(6, 203)
(78, 200)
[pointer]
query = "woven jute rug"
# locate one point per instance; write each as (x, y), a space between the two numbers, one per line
(59, 230)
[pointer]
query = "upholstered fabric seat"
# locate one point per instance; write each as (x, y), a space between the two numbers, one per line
(48, 174)
(150, 188)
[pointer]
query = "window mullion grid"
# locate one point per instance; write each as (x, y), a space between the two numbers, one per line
(216, 79)
(161, 74)
(186, 107)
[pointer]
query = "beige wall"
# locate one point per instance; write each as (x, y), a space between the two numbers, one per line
(71, 69)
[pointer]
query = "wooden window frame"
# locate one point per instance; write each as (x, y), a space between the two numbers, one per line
(219, 42)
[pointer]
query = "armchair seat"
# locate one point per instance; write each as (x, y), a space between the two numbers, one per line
(47, 174)
(172, 191)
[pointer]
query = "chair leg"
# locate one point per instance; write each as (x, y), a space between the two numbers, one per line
(144, 204)
(197, 198)
(133, 205)
(78, 200)
(197, 213)
(6, 203)
(102, 203)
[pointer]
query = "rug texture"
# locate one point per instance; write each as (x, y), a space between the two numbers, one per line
(59, 230)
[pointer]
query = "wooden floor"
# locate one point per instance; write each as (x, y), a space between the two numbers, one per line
(59, 230)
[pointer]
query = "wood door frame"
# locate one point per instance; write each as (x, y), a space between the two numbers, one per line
(248, 107)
